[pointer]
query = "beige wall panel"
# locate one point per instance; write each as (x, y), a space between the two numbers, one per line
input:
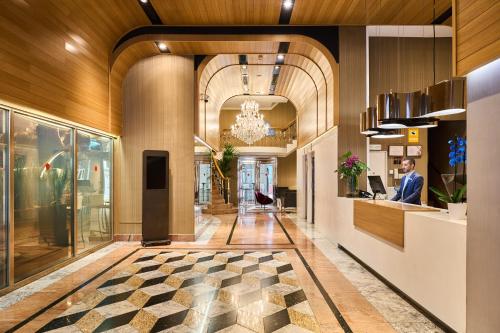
(352, 95)
(477, 33)
(483, 209)
(158, 114)
(287, 171)
(38, 72)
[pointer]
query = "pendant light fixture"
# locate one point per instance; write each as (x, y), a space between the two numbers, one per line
(388, 134)
(446, 97)
(368, 121)
(402, 110)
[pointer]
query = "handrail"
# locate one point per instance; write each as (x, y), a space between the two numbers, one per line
(218, 168)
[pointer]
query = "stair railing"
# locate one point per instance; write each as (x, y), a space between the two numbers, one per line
(222, 182)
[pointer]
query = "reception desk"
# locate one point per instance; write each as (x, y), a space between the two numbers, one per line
(385, 219)
(428, 265)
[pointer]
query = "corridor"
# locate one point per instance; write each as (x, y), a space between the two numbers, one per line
(258, 272)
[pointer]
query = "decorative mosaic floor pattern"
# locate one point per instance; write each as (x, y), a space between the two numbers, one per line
(223, 291)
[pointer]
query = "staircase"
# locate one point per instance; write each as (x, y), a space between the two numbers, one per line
(220, 188)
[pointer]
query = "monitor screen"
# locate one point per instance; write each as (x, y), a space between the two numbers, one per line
(156, 173)
(376, 184)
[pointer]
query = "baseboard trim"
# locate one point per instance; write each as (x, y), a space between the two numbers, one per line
(429, 315)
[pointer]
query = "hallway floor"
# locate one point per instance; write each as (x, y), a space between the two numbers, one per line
(259, 272)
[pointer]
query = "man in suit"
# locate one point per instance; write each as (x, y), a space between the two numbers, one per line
(411, 184)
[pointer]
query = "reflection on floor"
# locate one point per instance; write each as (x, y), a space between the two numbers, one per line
(201, 291)
(401, 315)
(255, 273)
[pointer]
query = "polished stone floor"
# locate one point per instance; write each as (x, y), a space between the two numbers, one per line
(259, 272)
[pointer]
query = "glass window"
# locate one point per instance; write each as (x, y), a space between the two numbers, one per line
(93, 206)
(43, 195)
(4, 134)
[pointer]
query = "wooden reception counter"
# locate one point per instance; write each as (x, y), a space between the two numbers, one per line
(385, 219)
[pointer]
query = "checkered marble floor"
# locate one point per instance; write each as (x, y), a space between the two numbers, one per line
(195, 291)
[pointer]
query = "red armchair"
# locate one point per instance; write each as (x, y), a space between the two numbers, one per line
(263, 199)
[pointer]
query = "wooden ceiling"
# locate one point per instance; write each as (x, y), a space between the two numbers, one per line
(305, 12)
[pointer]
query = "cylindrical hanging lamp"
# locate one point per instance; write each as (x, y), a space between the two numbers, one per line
(368, 121)
(444, 98)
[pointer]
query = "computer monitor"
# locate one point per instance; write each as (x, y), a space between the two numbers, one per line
(376, 185)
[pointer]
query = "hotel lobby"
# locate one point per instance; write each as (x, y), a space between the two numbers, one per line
(249, 166)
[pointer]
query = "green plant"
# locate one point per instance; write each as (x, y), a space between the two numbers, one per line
(456, 197)
(228, 155)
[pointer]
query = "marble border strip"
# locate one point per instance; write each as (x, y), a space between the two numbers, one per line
(426, 313)
(343, 323)
(228, 242)
(69, 293)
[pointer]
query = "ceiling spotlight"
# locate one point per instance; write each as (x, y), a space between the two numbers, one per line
(281, 57)
(287, 4)
(162, 46)
(70, 47)
(276, 67)
(244, 66)
(144, 1)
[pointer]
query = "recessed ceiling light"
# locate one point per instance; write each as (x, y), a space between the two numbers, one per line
(276, 67)
(288, 4)
(162, 46)
(70, 47)
(281, 57)
(144, 1)
(244, 66)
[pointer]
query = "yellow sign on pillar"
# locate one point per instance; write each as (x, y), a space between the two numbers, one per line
(413, 135)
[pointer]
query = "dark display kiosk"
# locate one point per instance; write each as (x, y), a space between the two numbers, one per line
(155, 189)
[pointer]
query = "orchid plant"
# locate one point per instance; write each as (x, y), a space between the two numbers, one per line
(351, 167)
(457, 157)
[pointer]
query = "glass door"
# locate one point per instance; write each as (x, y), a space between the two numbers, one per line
(204, 182)
(266, 179)
(246, 181)
(4, 188)
(43, 195)
(93, 200)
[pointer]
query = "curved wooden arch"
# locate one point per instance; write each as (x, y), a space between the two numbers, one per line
(305, 52)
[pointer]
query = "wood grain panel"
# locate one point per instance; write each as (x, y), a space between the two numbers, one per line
(222, 47)
(158, 114)
(384, 219)
(218, 12)
(405, 64)
(287, 171)
(38, 72)
(366, 12)
(477, 31)
(352, 95)
(120, 68)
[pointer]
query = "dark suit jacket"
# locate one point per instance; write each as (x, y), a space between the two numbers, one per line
(413, 189)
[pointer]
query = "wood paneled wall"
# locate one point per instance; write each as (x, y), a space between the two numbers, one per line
(352, 95)
(37, 70)
(477, 33)
(158, 105)
(287, 171)
(405, 65)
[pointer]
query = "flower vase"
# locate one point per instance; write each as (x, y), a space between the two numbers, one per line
(353, 187)
(457, 211)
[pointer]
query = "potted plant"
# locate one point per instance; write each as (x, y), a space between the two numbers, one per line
(455, 199)
(351, 168)
(227, 156)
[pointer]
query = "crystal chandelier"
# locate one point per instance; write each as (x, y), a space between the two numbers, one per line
(250, 125)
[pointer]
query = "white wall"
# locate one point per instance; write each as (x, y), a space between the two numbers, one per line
(483, 184)
(325, 153)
